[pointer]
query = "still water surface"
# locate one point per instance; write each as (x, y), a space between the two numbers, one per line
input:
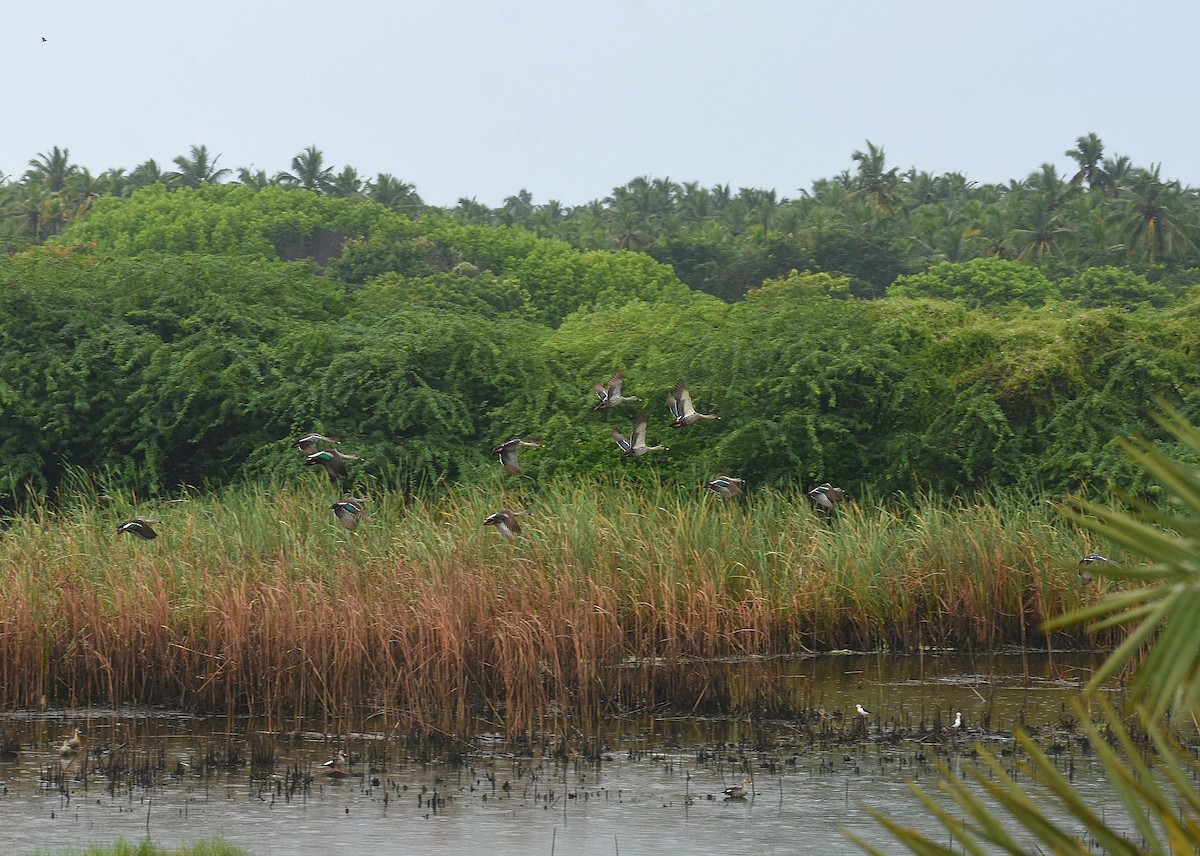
(656, 788)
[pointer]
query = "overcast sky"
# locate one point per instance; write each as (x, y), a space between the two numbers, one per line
(466, 98)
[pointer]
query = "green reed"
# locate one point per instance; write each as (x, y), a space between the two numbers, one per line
(253, 599)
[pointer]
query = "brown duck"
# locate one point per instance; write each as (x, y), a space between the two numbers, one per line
(508, 453)
(636, 444)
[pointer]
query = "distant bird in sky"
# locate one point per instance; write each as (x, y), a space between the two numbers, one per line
(139, 526)
(610, 395)
(726, 486)
(505, 522)
(333, 461)
(508, 453)
(636, 444)
(335, 765)
(680, 405)
(308, 443)
(1093, 559)
(738, 792)
(349, 512)
(43, 38)
(825, 495)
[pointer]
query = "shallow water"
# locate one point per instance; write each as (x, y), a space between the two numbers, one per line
(656, 787)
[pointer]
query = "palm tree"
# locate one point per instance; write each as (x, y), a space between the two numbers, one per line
(51, 170)
(308, 171)
(346, 184)
(146, 174)
(391, 192)
(875, 183)
(1089, 153)
(472, 212)
(196, 169)
(248, 176)
(1154, 212)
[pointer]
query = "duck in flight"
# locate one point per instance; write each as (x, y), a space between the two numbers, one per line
(636, 446)
(825, 495)
(610, 395)
(508, 453)
(139, 526)
(505, 522)
(349, 512)
(333, 461)
(726, 486)
(680, 404)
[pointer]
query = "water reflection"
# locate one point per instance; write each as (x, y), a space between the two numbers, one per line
(636, 785)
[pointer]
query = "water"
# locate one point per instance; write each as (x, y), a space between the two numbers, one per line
(656, 786)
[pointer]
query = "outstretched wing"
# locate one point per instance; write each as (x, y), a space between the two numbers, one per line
(621, 441)
(637, 437)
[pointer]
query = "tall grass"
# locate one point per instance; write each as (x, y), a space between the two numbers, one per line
(612, 598)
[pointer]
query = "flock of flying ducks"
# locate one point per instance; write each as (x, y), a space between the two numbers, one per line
(350, 510)
(683, 413)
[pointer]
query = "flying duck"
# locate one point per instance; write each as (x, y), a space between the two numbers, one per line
(308, 443)
(505, 522)
(636, 444)
(508, 453)
(610, 395)
(680, 405)
(139, 526)
(1093, 559)
(726, 486)
(349, 512)
(333, 461)
(825, 495)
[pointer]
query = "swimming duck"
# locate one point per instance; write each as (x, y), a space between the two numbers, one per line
(1094, 558)
(505, 522)
(333, 461)
(335, 765)
(349, 512)
(726, 486)
(610, 395)
(71, 745)
(308, 443)
(139, 526)
(680, 405)
(636, 444)
(825, 495)
(508, 453)
(738, 792)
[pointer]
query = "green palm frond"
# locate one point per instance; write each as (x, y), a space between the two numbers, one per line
(1161, 609)
(1044, 812)
(1164, 612)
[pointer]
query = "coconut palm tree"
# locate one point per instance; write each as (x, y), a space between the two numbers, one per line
(308, 171)
(51, 170)
(1154, 210)
(391, 192)
(196, 168)
(1089, 154)
(346, 184)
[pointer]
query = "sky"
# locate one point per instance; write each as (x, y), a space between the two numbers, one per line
(475, 99)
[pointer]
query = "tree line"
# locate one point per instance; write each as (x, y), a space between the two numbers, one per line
(871, 223)
(183, 336)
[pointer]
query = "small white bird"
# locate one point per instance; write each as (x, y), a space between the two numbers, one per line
(957, 721)
(862, 711)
